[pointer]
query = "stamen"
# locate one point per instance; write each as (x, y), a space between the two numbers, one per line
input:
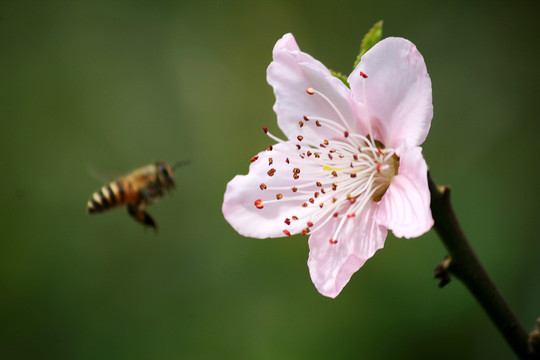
(258, 204)
(286, 232)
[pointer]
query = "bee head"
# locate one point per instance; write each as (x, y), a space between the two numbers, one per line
(165, 174)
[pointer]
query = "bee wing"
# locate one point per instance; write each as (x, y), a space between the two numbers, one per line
(104, 175)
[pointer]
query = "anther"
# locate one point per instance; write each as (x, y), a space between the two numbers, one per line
(288, 221)
(310, 91)
(300, 123)
(270, 147)
(316, 194)
(298, 147)
(295, 217)
(296, 171)
(317, 123)
(353, 175)
(318, 183)
(265, 129)
(346, 134)
(254, 158)
(295, 176)
(279, 196)
(311, 200)
(286, 232)
(321, 205)
(363, 75)
(304, 205)
(270, 161)
(336, 214)
(294, 189)
(300, 137)
(379, 165)
(332, 241)
(334, 173)
(309, 224)
(351, 215)
(258, 204)
(263, 186)
(305, 231)
(287, 160)
(306, 118)
(271, 172)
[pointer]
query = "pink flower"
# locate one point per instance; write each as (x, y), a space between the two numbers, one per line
(352, 167)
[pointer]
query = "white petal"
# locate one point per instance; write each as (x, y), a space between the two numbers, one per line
(396, 95)
(291, 73)
(405, 208)
(242, 191)
(332, 265)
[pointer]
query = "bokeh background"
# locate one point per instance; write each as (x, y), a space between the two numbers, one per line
(91, 85)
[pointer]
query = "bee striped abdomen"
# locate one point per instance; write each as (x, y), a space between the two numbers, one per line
(106, 198)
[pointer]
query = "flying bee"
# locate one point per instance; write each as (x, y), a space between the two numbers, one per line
(137, 189)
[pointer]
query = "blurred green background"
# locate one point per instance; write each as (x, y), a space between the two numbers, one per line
(118, 84)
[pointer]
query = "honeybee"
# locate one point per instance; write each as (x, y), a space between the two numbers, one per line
(137, 189)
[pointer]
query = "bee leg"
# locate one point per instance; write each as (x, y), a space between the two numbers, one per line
(141, 216)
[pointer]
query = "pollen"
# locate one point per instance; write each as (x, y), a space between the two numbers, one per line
(258, 204)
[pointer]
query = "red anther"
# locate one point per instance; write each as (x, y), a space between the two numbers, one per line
(265, 129)
(305, 231)
(306, 118)
(321, 205)
(346, 133)
(304, 205)
(270, 147)
(300, 137)
(336, 214)
(355, 157)
(310, 91)
(254, 158)
(332, 241)
(352, 200)
(271, 172)
(312, 200)
(318, 183)
(330, 156)
(363, 75)
(300, 123)
(288, 221)
(334, 173)
(286, 232)
(258, 204)
(298, 147)
(380, 151)
(351, 215)
(270, 161)
(309, 224)
(379, 165)
(263, 186)
(294, 189)
(318, 123)
(353, 175)
(279, 196)
(316, 194)
(295, 217)
(287, 160)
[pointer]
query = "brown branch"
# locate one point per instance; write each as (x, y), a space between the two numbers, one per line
(465, 266)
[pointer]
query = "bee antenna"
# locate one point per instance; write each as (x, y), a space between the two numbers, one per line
(180, 163)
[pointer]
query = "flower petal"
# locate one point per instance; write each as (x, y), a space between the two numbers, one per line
(291, 73)
(405, 208)
(332, 265)
(396, 95)
(242, 191)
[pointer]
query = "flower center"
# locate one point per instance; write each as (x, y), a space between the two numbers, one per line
(336, 177)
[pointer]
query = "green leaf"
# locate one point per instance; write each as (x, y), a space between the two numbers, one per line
(372, 37)
(340, 76)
